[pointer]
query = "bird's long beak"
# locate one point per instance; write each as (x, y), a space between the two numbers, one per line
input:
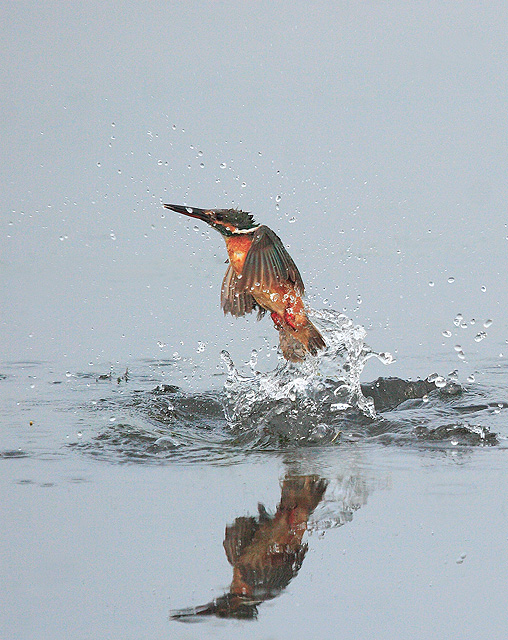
(192, 212)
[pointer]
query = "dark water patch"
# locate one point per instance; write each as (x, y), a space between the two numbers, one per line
(388, 393)
(168, 425)
(109, 376)
(466, 435)
(161, 425)
(451, 416)
(10, 454)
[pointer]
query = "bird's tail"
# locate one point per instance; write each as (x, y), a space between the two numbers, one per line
(315, 340)
(295, 344)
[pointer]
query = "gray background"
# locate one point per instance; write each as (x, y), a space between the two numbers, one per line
(382, 127)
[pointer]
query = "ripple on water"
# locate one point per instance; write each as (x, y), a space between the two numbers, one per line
(318, 402)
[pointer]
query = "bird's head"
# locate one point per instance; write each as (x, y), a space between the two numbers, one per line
(227, 221)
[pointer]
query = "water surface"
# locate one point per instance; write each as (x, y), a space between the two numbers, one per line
(120, 490)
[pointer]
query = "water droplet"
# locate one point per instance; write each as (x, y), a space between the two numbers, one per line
(174, 127)
(278, 198)
(291, 220)
(451, 279)
(340, 406)
(112, 236)
(359, 300)
(454, 442)
(461, 355)
(98, 164)
(222, 165)
(480, 336)
(431, 284)
(161, 344)
(177, 356)
(487, 323)
(425, 398)
(113, 124)
(483, 288)
(440, 382)
(200, 153)
(201, 347)
(244, 184)
(462, 556)
(119, 170)
(447, 333)
(228, 361)
(253, 359)
(195, 227)
(112, 419)
(202, 165)
(458, 319)
(471, 378)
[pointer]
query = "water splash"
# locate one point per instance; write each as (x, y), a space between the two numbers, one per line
(305, 400)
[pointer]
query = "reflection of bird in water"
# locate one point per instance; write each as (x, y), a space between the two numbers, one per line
(261, 275)
(266, 552)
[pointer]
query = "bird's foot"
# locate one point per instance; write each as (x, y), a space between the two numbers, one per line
(277, 320)
(289, 317)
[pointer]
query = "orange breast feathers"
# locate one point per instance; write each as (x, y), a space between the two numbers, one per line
(281, 299)
(238, 247)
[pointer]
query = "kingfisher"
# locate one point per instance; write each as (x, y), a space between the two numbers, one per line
(261, 276)
(266, 552)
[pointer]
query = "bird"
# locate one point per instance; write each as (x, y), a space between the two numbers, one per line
(266, 552)
(262, 276)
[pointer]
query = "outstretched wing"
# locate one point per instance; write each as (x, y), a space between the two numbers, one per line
(234, 299)
(268, 262)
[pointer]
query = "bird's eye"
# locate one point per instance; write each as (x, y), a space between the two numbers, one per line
(219, 217)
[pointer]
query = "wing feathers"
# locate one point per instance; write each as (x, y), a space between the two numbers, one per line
(269, 263)
(234, 299)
